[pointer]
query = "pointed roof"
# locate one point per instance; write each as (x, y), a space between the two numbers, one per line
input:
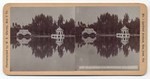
(124, 28)
(59, 29)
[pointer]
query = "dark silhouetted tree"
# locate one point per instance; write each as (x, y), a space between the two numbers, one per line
(126, 19)
(60, 20)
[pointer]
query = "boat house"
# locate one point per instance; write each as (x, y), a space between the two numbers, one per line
(88, 31)
(23, 32)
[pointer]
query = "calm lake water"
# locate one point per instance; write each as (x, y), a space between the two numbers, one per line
(74, 53)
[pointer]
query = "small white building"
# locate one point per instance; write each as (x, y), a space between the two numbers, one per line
(124, 30)
(59, 31)
(59, 36)
(124, 33)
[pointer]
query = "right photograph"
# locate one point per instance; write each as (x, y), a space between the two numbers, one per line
(109, 39)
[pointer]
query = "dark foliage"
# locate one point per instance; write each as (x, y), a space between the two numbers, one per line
(106, 24)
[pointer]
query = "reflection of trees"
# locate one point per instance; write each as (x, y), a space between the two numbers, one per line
(69, 44)
(134, 43)
(125, 50)
(107, 46)
(60, 51)
(45, 47)
(42, 47)
(79, 41)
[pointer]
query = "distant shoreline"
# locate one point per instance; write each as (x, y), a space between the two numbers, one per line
(115, 34)
(99, 35)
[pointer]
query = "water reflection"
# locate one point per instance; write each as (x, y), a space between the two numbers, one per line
(105, 46)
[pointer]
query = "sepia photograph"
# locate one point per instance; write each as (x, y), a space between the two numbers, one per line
(74, 38)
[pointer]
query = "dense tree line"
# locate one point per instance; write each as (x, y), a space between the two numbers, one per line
(14, 29)
(106, 24)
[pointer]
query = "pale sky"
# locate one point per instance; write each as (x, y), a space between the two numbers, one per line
(24, 16)
(88, 15)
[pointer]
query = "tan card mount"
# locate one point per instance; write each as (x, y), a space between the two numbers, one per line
(75, 39)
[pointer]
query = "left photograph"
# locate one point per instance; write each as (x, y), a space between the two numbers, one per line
(42, 38)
